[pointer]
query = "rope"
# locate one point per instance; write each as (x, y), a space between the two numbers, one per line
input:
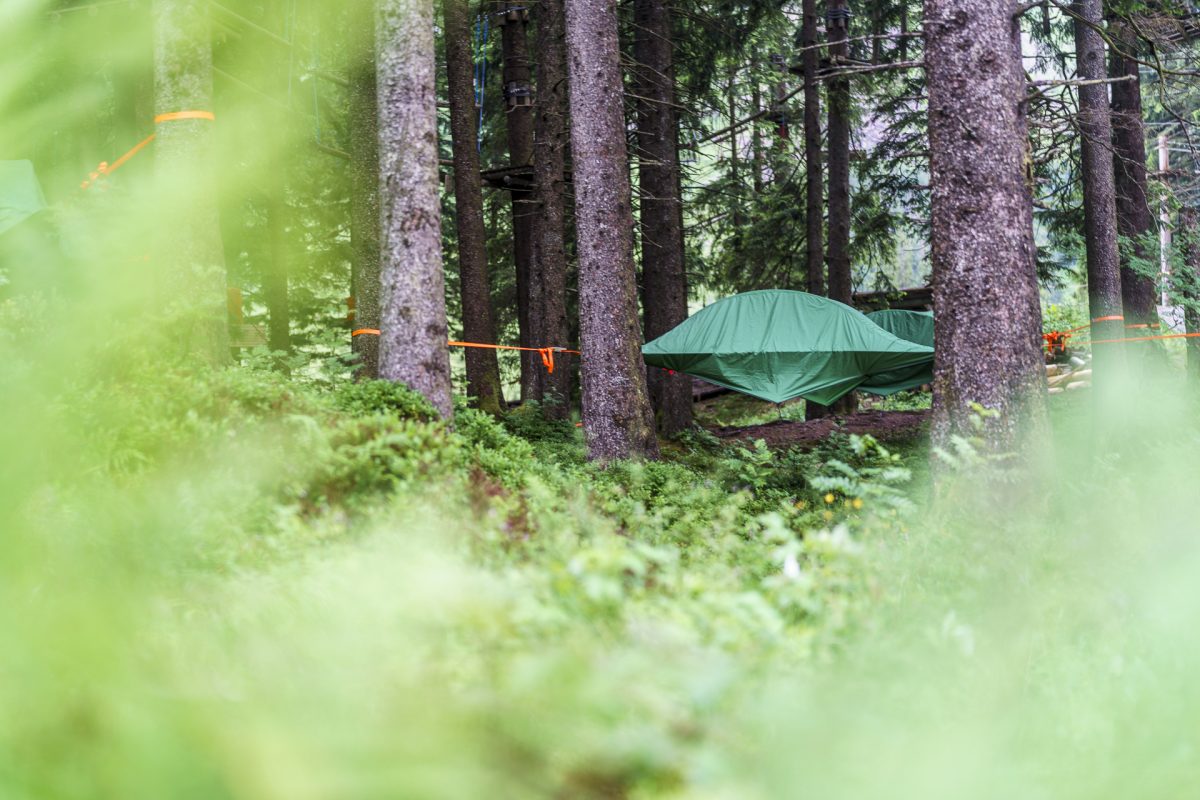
(547, 353)
(105, 169)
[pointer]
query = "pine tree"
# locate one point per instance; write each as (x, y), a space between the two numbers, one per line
(518, 122)
(1099, 194)
(550, 220)
(664, 280)
(183, 160)
(618, 421)
(364, 186)
(412, 347)
(483, 369)
(988, 321)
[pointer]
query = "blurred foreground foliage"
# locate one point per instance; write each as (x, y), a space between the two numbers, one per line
(237, 584)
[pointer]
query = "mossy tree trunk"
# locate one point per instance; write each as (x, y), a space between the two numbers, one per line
(184, 155)
(618, 421)
(412, 347)
(664, 279)
(483, 369)
(988, 322)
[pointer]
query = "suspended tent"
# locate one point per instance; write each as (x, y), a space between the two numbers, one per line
(20, 193)
(911, 326)
(778, 345)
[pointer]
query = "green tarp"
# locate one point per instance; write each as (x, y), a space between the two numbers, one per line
(20, 194)
(778, 345)
(911, 326)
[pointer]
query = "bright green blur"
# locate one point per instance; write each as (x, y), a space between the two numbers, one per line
(233, 584)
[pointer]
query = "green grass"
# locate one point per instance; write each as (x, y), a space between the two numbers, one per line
(238, 585)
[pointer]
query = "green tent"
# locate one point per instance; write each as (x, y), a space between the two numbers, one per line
(911, 326)
(20, 193)
(778, 345)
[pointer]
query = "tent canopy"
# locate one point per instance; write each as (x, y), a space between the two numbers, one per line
(778, 345)
(911, 326)
(20, 193)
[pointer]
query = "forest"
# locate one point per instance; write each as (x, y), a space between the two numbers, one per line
(601, 399)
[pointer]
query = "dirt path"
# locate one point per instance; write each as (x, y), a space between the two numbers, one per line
(883, 425)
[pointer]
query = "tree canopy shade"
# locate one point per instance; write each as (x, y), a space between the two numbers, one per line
(911, 326)
(20, 193)
(778, 345)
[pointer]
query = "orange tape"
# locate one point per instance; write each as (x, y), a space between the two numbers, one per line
(178, 115)
(1148, 338)
(1113, 318)
(108, 169)
(547, 353)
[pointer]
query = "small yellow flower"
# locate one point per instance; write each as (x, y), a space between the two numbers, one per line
(827, 514)
(858, 503)
(829, 497)
(801, 504)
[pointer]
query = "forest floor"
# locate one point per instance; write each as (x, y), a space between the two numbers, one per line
(783, 433)
(735, 417)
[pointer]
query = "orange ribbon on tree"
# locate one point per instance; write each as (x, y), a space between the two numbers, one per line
(547, 353)
(105, 169)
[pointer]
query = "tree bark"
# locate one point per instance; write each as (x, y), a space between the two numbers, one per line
(735, 174)
(550, 220)
(756, 147)
(483, 368)
(664, 279)
(1099, 194)
(814, 168)
(1189, 285)
(838, 255)
(184, 155)
(988, 322)
(364, 183)
(275, 280)
(814, 195)
(1134, 218)
(618, 421)
(412, 347)
(519, 129)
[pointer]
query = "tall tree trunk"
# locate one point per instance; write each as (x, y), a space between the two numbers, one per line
(735, 176)
(814, 169)
(1189, 287)
(275, 281)
(618, 421)
(1134, 218)
(838, 256)
(184, 155)
(664, 279)
(519, 128)
(483, 369)
(756, 147)
(549, 173)
(412, 347)
(364, 182)
(814, 194)
(1099, 194)
(988, 323)
(841, 284)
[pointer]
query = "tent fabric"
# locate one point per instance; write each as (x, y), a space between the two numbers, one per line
(20, 193)
(911, 326)
(778, 345)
